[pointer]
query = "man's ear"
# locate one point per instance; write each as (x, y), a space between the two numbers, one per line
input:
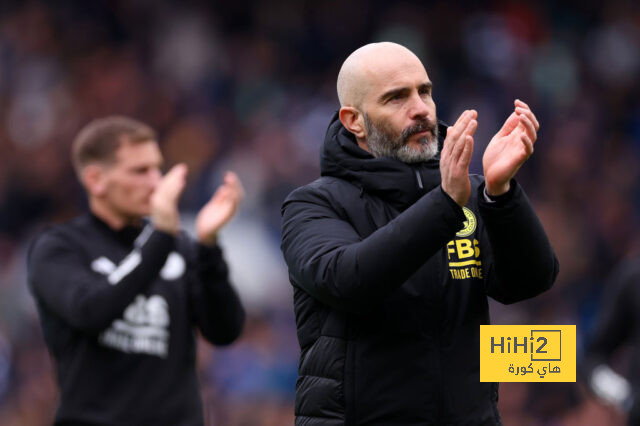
(94, 180)
(353, 120)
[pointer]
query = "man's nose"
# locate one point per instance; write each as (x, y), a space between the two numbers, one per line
(155, 176)
(418, 107)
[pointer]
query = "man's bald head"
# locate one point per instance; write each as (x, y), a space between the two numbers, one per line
(366, 66)
(386, 103)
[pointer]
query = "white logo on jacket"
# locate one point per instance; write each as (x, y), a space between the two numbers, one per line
(103, 266)
(174, 267)
(143, 330)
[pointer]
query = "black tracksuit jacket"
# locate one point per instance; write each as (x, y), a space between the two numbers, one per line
(118, 310)
(391, 279)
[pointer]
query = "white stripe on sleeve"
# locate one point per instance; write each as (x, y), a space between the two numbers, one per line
(125, 267)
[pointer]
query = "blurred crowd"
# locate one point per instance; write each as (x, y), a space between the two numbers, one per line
(250, 87)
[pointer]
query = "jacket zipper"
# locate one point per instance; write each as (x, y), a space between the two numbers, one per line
(418, 178)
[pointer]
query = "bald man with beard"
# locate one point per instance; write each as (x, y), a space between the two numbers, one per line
(394, 250)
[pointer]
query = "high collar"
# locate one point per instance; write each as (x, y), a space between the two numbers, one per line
(126, 235)
(399, 184)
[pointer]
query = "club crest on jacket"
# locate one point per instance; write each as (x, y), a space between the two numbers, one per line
(469, 224)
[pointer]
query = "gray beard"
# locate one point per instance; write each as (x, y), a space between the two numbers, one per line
(382, 143)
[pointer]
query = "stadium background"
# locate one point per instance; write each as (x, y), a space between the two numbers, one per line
(250, 87)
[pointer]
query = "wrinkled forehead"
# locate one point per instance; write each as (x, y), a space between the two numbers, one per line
(392, 70)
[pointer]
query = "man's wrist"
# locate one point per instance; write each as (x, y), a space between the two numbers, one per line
(167, 225)
(486, 196)
(496, 200)
(208, 240)
(497, 190)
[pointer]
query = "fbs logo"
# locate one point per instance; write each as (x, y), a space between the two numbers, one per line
(463, 254)
(469, 224)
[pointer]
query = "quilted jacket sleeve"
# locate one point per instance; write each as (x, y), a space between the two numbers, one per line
(330, 261)
(523, 263)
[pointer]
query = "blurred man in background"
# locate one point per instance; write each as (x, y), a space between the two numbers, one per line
(393, 252)
(618, 324)
(119, 295)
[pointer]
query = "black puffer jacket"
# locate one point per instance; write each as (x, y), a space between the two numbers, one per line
(391, 280)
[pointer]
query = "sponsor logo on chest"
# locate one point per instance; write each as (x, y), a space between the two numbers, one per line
(463, 253)
(144, 326)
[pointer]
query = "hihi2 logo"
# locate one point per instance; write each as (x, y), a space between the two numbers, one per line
(527, 353)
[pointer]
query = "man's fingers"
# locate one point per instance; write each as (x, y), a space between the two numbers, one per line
(455, 132)
(449, 143)
(510, 124)
(172, 184)
(525, 109)
(230, 190)
(164, 200)
(529, 114)
(460, 117)
(231, 178)
(458, 147)
(462, 123)
(528, 144)
(233, 182)
(521, 104)
(456, 156)
(465, 156)
(177, 179)
(177, 172)
(463, 145)
(237, 184)
(471, 127)
(471, 116)
(528, 127)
